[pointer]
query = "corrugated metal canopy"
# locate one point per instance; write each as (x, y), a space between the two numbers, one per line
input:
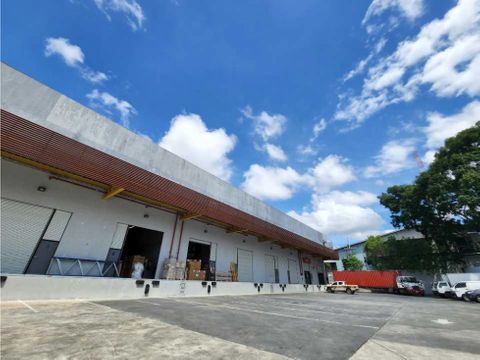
(39, 144)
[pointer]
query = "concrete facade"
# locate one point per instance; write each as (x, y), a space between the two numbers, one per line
(88, 234)
(90, 230)
(29, 99)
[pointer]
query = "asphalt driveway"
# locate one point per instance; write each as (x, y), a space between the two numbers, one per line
(304, 326)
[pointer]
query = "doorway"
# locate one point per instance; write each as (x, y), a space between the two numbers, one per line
(144, 243)
(199, 251)
(321, 279)
(308, 277)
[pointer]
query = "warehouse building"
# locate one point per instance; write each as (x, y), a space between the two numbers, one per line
(84, 196)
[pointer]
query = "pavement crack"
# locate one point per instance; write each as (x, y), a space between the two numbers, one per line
(388, 349)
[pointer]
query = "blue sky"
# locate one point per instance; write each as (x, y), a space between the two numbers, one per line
(315, 107)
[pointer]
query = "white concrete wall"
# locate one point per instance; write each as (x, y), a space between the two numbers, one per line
(38, 287)
(91, 227)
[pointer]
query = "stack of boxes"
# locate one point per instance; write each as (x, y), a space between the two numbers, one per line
(173, 269)
(194, 271)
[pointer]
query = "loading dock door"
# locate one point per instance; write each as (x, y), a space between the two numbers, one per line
(22, 228)
(269, 269)
(293, 271)
(245, 265)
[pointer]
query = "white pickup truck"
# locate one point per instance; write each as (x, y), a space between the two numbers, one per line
(341, 286)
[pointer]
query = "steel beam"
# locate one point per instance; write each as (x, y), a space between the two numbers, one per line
(114, 190)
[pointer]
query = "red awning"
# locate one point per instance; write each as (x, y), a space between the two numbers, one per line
(34, 142)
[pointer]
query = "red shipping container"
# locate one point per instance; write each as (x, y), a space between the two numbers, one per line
(369, 279)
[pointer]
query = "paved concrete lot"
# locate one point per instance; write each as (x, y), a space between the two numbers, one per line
(306, 326)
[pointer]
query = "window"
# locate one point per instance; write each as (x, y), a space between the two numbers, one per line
(460, 285)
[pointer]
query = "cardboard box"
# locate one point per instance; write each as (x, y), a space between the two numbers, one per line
(138, 259)
(194, 264)
(196, 274)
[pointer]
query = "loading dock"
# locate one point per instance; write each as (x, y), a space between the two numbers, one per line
(50, 161)
(141, 242)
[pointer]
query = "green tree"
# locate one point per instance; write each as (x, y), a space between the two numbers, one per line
(351, 262)
(443, 203)
(376, 252)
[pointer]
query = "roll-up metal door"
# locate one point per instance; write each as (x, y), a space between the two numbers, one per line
(119, 236)
(293, 271)
(21, 230)
(57, 225)
(245, 265)
(48, 245)
(269, 269)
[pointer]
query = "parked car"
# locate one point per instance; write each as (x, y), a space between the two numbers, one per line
(441, 288)
(410, 285)
(462, 287)
(472, 295)
(341, 286)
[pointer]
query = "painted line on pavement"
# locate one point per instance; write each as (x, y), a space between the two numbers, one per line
(27, 306)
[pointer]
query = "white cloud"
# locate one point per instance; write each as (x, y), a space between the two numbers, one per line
(107, 101)
(130, 8)
(442, 69)
(277, 183)
(275, 152)
(272, 183)
(265, 125)
(445, 55)
(429, 157)
(341, 213)
(71, 54)
(330, 172)
(350, 197)
(362, 64)
(395, 156)
(410, 9)
(319, 126)
(306, 150)
(189, 138)
(74, 57)
(440, 127)
(94, 77)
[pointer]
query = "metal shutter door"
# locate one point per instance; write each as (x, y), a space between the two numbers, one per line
(119, 236)
(293, 269)
(245, 265)
(57, 225)
(269, 269)
(22, 228)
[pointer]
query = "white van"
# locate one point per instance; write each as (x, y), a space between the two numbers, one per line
(462, 287)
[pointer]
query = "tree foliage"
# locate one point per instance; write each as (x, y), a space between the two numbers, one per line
(405, 254)
(443, 203)
(351, 262)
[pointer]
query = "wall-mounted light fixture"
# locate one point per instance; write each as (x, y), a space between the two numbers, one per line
(41, 188)
(146, 216)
